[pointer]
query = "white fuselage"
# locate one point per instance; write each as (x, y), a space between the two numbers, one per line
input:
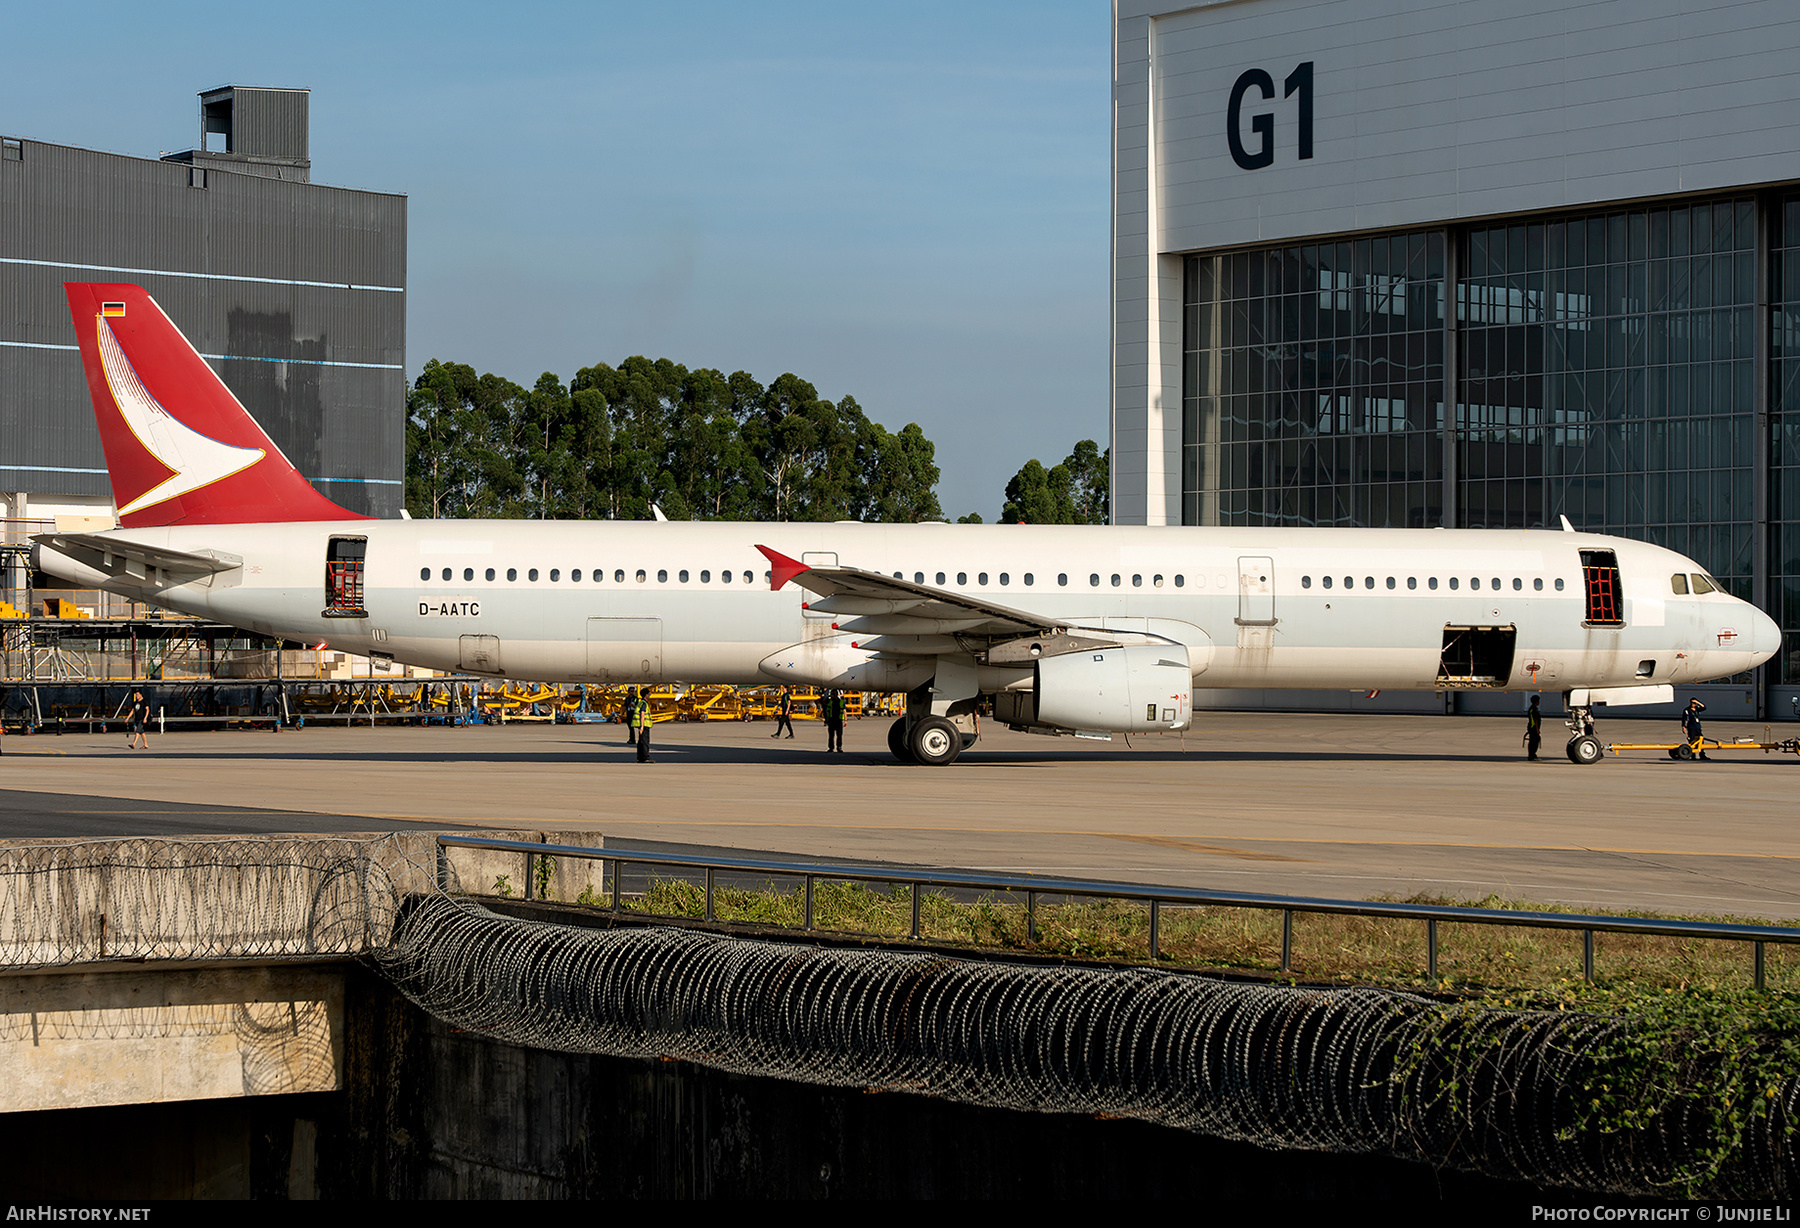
(1282, 608)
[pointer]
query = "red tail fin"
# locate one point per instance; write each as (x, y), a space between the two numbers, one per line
(180, 449)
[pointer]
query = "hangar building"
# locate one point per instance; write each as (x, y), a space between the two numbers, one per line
(295, 291)
(1607, 191)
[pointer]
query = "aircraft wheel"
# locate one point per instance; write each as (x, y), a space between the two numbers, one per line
(1684, 753)
(897, 741)
(1584, 750)
(935, 742)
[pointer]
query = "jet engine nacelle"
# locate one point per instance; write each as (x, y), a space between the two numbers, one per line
(1136, 689)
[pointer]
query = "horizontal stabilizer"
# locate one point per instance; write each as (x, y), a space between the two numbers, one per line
(121, 558)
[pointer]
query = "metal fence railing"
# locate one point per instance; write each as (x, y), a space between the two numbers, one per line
(1033, 887)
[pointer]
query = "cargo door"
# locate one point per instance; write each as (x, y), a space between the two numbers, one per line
(624, 650)
(479, 654)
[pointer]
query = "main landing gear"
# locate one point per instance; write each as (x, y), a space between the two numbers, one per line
(932, 741)
(1583, 746)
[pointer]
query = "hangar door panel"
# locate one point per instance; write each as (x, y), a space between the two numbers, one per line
(627, 650)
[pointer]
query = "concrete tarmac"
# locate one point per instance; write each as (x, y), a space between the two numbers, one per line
(1336, 806)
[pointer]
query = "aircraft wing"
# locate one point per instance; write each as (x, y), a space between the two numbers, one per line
(112, 554)
(907, 619)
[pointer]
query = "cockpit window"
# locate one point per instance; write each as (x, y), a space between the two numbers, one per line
(1704, 584)
(1678, 582)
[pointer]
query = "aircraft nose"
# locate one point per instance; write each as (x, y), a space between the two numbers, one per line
(1765, 641)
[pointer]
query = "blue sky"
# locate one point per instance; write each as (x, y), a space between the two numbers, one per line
(904, 202)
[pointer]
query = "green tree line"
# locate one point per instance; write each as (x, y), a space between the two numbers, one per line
(700, 444)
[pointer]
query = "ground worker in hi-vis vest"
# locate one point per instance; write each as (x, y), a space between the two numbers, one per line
(832, 709)
(640, 724)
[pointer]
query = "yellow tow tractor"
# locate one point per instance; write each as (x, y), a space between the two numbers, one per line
(1699, 746)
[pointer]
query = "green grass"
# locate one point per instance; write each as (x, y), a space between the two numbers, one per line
(1326, 948)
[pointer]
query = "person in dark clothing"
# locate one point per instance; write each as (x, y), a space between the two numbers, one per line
(786, 714)
(832, 708)
(630, 714)
(1690, 725)
(1534, 729)
(140, 712)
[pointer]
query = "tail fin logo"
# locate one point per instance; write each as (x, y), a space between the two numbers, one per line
(194, 460)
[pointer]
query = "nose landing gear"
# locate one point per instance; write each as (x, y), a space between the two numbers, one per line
(1583, 746)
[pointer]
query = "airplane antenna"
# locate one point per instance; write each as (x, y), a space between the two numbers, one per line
(658, 512)
(1567, 527)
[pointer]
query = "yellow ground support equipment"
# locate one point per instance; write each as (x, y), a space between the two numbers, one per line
(1700, 746)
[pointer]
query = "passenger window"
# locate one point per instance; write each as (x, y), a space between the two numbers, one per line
(446, 573)
(1518, 584)
(1703, 585)
(619, 577)
(424, 573)
(684, 576)
(962, 577)
(1325, 580)
(490, 573)
(1094, 580)
(940, 579)
(724, 577)
(1062, 579)
(1453, 582)
(512, 573)
(1349, 581)
(1495, 583)
(1368, 581)
(640, 575)
(1390, 582)
(1305, 581)
(1412, 582)
(749, 579)
(1474, 582)
(1559, 584)
(1537, 584)
(706, 577)
(468, 573)
(1431, 583)
(981, 579)
(1180, 581)
(1115, 580)
(918, 577)
(1029, 579)
(532, 574)
(1156, 580)
(1137, 582)
(1005, 579)
(555, 574)
(1678, 582)
(575, 575)
(662, 577)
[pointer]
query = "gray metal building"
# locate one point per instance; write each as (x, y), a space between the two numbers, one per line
(1478, 264)
(295, 291)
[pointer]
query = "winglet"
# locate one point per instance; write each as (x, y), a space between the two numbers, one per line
(781, 568)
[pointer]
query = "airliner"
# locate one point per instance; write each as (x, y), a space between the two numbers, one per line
(1064, 629)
